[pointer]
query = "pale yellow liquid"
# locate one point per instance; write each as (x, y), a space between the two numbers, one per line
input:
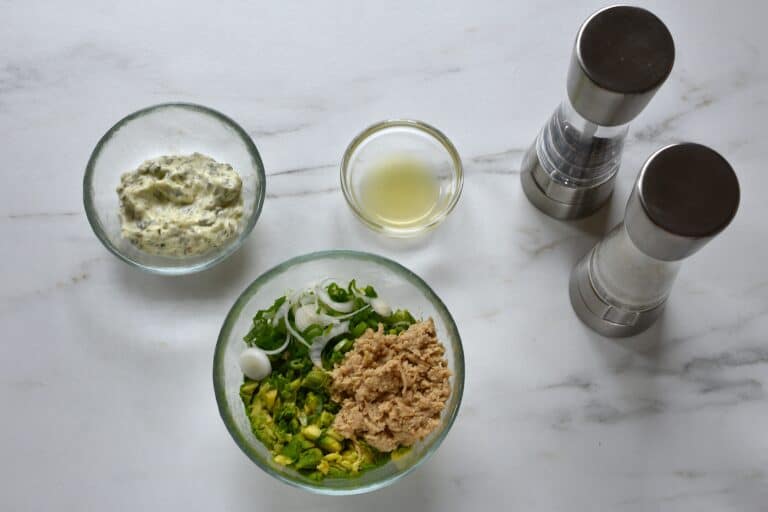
(401, 192)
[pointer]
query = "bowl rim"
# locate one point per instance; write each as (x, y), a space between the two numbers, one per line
(235, 310)
(92, 216)
(458, 173)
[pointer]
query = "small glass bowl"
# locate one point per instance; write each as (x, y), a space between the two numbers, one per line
(169, 129)
(414, 140)
(399, 287)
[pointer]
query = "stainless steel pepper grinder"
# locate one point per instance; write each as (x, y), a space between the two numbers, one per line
(684, 195)
(621, 57)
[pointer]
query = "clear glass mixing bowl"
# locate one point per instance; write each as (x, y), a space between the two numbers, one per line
(169, 129)
(416, 141)
(399, 287)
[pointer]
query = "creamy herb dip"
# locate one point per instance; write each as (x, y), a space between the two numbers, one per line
(180, 205)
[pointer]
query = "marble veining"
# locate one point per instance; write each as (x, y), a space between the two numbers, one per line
(105, 371)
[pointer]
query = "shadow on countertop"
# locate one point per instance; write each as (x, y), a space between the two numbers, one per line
(233, 273)
(419, 490)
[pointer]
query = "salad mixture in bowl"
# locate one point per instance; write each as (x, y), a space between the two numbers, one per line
(343, 384)
(336, 382)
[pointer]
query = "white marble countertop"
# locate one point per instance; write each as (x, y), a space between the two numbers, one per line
(105, 372)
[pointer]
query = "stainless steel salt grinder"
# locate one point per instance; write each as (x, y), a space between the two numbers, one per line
(621, 57)
(684, 195)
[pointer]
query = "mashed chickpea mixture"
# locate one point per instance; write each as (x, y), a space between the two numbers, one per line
(181, 205)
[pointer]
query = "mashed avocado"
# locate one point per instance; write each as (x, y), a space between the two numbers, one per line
(291, 413)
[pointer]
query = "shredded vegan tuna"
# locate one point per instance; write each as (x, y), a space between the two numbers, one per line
(392, 388)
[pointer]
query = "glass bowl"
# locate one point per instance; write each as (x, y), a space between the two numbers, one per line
(168, 129)
(399, 287)
(415, 141)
